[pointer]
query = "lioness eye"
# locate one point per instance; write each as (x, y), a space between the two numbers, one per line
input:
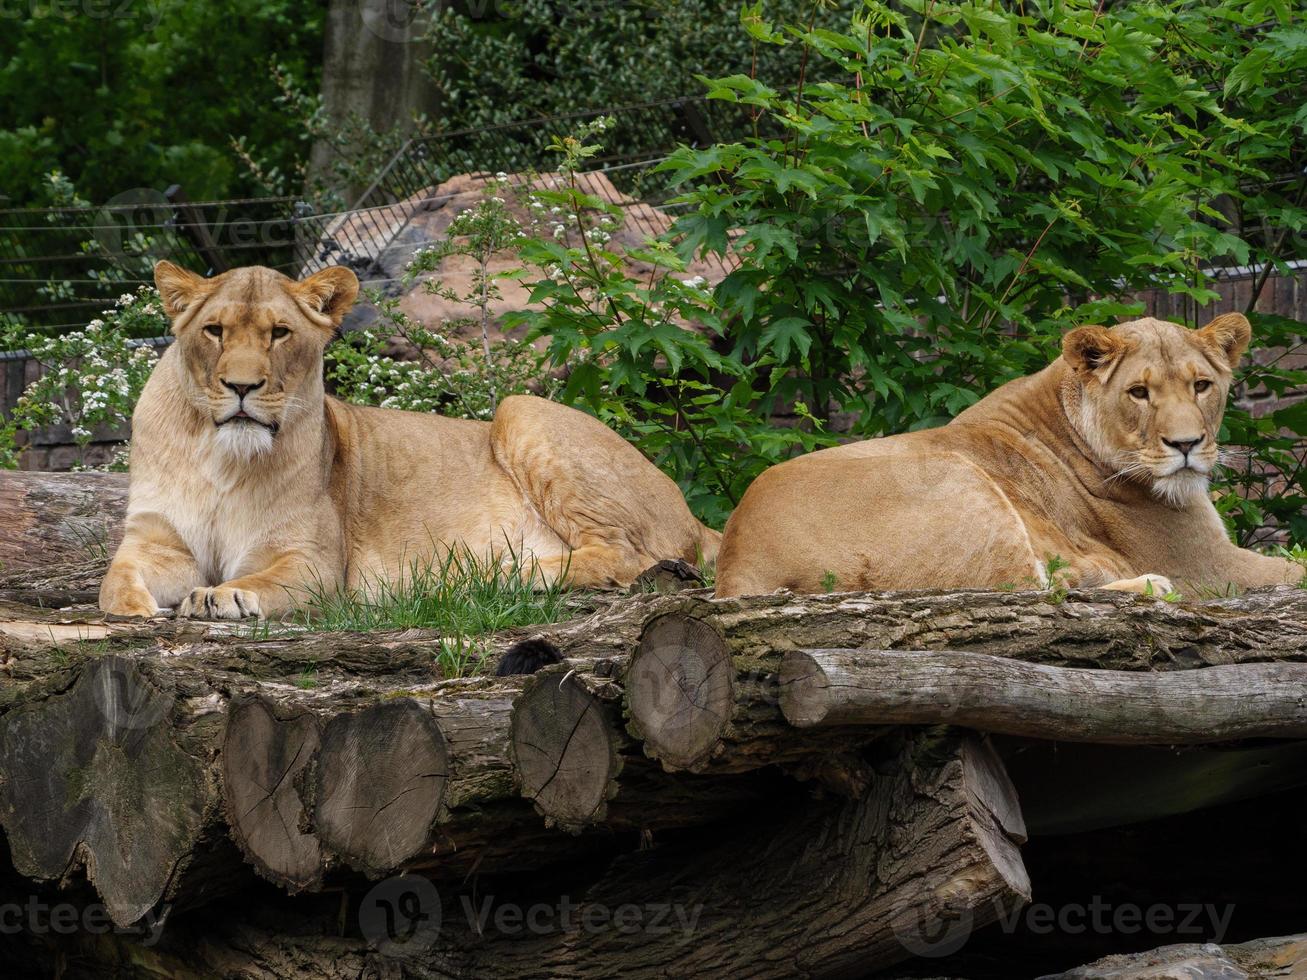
(1201, 385)
(213, 330)
(279, 332)
(1140, 392)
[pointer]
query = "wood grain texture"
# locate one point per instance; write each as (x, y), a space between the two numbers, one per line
(823, 688)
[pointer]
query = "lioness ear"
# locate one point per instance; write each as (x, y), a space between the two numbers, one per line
(1227, 335)
(1090, 348)
(178, 288)
(330, 292)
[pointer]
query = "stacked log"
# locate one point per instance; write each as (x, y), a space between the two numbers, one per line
(813, 775)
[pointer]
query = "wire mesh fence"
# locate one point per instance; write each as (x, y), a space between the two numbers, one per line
(61, 266)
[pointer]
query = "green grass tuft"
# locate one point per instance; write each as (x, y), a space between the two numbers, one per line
(462, 595)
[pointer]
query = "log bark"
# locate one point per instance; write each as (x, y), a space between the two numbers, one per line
(702, 690)
(140, 767)
(308, 752)
(53, 518)
(825, 688)
(1281, 956)
(841, 887)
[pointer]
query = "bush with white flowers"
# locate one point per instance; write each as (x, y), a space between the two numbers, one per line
(90, 378)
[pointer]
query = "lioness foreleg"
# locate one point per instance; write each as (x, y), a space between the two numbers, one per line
(277, 589)
(151, 569)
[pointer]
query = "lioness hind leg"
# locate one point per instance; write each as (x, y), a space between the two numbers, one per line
(617, 512)
(593, 566)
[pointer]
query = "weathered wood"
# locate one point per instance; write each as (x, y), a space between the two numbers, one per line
(51, 519)
(580, 768)
(311, 752)
(828, 888)
(825, 688)
(697, 709)
(702, 689)
(379, 781)
(1283, 956)
(567, 746)
(264, 757)
(813, 888)
(96, 778)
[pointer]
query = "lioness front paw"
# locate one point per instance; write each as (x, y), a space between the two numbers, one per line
(220, 602)
(136, 602)
(1156, 585)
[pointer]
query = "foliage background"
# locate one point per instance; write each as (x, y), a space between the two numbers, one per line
(932, 194)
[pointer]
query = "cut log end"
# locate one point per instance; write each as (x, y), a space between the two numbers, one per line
(94, 777)
(565, 744)
(680, 691)
(803, 691)
(263, 757)
(380, 779)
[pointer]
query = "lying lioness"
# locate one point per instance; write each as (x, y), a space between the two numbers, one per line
(250, 488)
(1101, 460)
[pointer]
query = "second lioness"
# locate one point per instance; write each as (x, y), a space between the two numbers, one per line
(250, 488)
(1100, 460)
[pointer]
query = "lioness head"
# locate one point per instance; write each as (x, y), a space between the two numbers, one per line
(1150, 397)
(251, 344)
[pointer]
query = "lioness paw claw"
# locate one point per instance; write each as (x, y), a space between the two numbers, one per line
(219, 602)
(1154, 585)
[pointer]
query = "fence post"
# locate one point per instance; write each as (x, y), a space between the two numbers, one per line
(697, 124)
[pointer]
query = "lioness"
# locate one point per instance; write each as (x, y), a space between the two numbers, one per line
(1101, 459)
(250, 486)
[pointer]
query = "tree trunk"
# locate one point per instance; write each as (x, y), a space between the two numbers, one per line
(825, 688)
(371, 71)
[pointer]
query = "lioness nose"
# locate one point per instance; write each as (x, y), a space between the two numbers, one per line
(242, 389)
(1185, 446)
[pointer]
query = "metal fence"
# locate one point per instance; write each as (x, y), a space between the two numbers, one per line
(410, 181)
(59, 267)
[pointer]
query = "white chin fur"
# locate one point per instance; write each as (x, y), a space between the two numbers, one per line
(243, 440)
(1180, 488)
